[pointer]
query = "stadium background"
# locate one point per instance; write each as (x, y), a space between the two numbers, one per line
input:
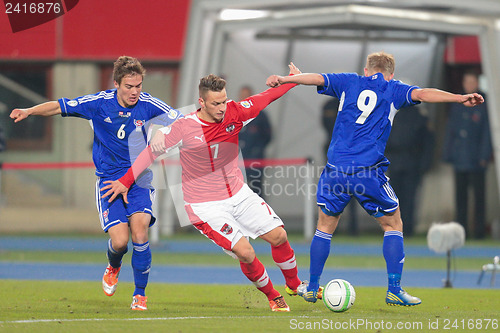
(179, 41)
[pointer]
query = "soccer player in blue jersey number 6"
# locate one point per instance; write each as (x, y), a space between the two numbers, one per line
(356, 163)
(120, 118)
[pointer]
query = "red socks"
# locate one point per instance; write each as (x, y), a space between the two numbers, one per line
(256, 272)
(284, 257)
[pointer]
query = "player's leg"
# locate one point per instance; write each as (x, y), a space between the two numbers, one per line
(114, 221)
(117, 247)
(332, 197)
(284, 257)
(255, 218)
(255, 271)
(320, 250)
(139, 211)
(216, 221)
(393, 250)
(141, 258)
(377, 197)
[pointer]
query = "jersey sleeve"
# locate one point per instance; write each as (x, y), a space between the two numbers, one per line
(249, 108)
(82, 107)
(160, 112)
(167, 118)
(334, 83)
(402, 95)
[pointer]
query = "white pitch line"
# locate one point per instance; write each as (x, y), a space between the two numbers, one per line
(32, 321)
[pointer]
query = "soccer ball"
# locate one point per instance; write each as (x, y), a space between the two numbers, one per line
(339, 295)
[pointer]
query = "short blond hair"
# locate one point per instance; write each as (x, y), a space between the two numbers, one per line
(381, 62)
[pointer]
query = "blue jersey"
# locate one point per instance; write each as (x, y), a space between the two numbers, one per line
(366, 111)
(120, 133)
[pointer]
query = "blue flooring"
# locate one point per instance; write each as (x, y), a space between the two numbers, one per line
(230, 275)
(206, 246)
(233, 275)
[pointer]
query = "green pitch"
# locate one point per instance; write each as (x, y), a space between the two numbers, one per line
(47, 306)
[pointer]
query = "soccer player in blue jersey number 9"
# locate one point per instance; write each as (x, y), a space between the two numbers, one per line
(120, 119)
(356, 163)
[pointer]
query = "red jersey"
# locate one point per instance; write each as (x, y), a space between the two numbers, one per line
(209, 151)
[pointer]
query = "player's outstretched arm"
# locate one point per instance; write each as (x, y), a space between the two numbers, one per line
(309, 79)
(45, 109)
(431, 95)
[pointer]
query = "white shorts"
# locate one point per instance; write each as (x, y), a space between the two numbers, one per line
(224, 222)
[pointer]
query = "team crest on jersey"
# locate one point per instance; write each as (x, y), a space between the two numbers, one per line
(230, 128)
(73, 103)
(139, 123)
(226, 229)
(124, 114)
(246, 104)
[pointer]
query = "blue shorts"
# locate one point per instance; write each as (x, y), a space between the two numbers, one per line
(369, 185)
(140, 201)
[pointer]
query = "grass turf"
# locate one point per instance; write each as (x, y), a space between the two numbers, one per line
(48, 306)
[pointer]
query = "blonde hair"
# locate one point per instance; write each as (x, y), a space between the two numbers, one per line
(381, 62)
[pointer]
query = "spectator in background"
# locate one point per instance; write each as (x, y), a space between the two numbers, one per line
(328, 117)
(2, 142)
(410, 150)
(254, 139)
(468, 148)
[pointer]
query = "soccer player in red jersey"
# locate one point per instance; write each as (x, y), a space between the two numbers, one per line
(218, 202)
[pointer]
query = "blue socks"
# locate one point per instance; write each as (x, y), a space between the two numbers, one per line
(114, 257)
(319, 252)
(141, 264)
(393, 250)
(394, 257)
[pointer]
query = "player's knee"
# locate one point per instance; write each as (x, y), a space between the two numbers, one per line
(275, 237)
(119, 244)
(245, 255)
(139, 236)
(280, 237)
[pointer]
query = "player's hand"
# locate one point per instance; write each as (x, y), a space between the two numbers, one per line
(294, 70)
(273, 81)
(158, 143)
(19, 114)
(115, 188)
(472, 99)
